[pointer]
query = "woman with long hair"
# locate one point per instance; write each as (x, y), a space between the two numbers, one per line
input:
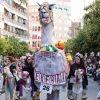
(78, 81)
(9, 69)
(29, 66)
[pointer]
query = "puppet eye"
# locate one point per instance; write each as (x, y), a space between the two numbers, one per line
(39, 9)
(50, 8)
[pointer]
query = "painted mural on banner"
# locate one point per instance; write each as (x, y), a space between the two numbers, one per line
(56, 79)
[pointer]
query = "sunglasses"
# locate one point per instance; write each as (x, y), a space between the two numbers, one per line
(28, 59)
(7, 59)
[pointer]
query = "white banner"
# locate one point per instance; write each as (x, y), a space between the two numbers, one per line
(56, 79)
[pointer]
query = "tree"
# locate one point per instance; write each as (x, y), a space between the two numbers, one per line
(88, 38)
(17, 48)
(69, 45)
(92, 21)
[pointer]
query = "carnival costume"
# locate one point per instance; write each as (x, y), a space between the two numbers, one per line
(77, 82)
(25, 87)
(1, 78)
(51, 65)
(9, 84)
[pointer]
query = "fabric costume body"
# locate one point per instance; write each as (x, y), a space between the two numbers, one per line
(49, 60)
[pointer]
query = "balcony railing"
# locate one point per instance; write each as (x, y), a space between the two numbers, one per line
(5, 32)
(13, 21)
(15, 9)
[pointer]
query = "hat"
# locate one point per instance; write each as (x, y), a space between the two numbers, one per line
(79, 55)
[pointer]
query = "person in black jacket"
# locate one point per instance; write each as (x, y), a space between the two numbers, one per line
(79, 64)
(29, 67)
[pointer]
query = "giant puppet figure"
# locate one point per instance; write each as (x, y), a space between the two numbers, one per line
(51, 69)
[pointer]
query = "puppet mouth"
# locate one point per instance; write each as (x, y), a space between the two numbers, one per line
(45, 19)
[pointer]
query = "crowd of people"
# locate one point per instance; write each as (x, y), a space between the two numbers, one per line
(17, 76)
(93, 68)
(18, 82)
(17, 79)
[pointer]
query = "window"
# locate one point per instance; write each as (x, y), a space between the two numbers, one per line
(59, 34)
(36, 28)
(65, 22)
(59, 15)
(37, 18)
(54, 1)
(55, 27)
(65, 28)
(39, 28)
(10, 15)
(34, 44)
(29, 10)
(0, 17)
(16, 18)
(60, 28)
(10, 2)
(65, 35)
(65, 9)
(55, 7)
(0, 30)
(13, 29)
(69, 22)
(36, 10)
(55, 21)
(29, 18)
(60, 21)
(68, 4)
(33, 18)
(65, 16)
(55, 15)
(59, 8)
(8, 28)
(33, 28)
(32, 10)
(79, 24)
(60, 3)
(34, 36)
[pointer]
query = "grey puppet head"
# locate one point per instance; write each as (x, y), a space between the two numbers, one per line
(45, 13)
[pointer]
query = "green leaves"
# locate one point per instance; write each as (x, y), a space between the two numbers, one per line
(13, 47)
(88, 38)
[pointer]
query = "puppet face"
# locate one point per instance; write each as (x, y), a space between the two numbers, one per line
(45, 13)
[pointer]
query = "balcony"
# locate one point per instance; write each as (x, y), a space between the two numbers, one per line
(14, 10)
(7, 33)
(18, 2)
(12, 21)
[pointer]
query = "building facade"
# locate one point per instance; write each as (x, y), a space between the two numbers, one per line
(1, 20)
(61, 18)
(34, 27)
(62, 21)
(77, 23)
(15, 19)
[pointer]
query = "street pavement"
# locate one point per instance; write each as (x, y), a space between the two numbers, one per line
(93, 89)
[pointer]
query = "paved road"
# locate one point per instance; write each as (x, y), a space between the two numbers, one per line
(92, 92)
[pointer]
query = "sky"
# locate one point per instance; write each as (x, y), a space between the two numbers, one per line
(77, 6)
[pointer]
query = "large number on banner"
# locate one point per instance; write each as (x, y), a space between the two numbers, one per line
(46, 88)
